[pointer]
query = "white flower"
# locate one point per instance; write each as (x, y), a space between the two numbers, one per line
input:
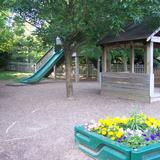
(92, 121)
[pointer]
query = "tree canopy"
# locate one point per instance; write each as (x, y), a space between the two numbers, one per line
(81, 22)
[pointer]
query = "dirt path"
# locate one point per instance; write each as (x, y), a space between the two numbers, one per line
(37, 121)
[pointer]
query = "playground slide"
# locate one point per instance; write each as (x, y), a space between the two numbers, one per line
(37, 76)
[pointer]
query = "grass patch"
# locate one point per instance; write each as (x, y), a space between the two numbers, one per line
(11, 75)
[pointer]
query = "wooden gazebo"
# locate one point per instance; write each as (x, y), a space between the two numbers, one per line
(131, 85)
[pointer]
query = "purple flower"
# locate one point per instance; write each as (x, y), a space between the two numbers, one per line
(147, 139)
(124, 137)
(144, 135)
(158, 134)
(152, 136)
(119, 141)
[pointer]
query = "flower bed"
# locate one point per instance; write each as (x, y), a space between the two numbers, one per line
(133, 138)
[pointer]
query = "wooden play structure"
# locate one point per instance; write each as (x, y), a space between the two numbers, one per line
(128, 84)
(80, 71)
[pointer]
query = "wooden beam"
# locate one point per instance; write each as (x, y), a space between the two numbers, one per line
(125, 45)
(104, 60)
(152, 35)
(118, 45)
(132, 58)
(98, 71)
(150, 51)
(55, 71)
(108, 69)
(150, 58)
(155, 39)
(76, 68)
(145, 58)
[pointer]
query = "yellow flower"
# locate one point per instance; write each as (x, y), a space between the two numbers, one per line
(104, 132)
(119, 134)
(107, 122)
(158, 123)
(110, 133)
(113, 138)
(100, 121)
(151, 119)
(148, 123)
(104, 129)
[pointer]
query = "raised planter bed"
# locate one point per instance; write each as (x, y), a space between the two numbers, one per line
(102, 148)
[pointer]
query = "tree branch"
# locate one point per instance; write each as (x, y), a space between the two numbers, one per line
(24, 19)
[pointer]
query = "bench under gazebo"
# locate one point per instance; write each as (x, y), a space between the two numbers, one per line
(128, 84)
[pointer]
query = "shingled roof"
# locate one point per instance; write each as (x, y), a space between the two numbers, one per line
(134, 32)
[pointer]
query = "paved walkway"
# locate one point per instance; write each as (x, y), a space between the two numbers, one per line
(37, 121)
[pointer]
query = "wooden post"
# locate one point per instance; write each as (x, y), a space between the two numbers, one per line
(55, 70)
(150, 58)
(35, 68)
(125, 64)
(98, 70)
(150, 51)
(145, 58)
(76, 68)
(132, 58)
(104, 60)
(87, 67)
(108, 69)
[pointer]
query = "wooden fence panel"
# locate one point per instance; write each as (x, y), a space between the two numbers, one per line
(20, 66)
(126, 85)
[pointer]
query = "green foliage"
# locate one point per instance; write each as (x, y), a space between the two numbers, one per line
(28, 47)
(93, 18)
(11, 75)
(16, 39)
(135, 141)
(136, 122)
(4, 57)
(90, 51)
(119, 55)
(6, 36)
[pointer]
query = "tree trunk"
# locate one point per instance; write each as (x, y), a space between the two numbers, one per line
(68, 61)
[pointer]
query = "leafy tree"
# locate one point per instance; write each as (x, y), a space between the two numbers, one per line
(5, 34)
(79, 21)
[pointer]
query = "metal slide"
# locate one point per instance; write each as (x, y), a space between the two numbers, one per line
(37, 76)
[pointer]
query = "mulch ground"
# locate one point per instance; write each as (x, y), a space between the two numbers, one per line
(37, 121)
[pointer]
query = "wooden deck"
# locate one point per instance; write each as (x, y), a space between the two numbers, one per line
(156, 95)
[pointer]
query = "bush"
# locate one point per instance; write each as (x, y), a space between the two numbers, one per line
(4, 58)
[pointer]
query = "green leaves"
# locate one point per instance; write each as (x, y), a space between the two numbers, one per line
(135, 142)
(93, 18)
(63, 18)
(136, 122)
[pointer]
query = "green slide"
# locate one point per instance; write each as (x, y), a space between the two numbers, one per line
(37, 76)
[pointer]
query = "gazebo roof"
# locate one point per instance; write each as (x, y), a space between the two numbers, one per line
(134, 32)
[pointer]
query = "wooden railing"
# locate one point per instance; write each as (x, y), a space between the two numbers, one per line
(120, 68)
(43, 59)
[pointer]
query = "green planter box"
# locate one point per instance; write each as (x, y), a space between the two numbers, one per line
(102, 148)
